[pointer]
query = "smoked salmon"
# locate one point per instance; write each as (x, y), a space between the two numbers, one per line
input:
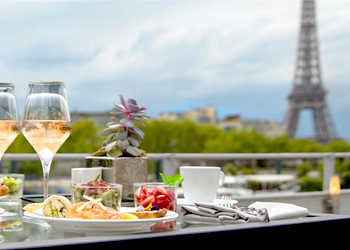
(93, 209)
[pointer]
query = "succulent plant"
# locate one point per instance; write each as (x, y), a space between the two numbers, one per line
(123, 135)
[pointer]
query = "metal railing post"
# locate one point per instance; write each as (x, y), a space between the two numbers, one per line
(328, 169)
(168, 165)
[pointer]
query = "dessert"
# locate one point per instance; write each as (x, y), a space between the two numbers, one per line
(149, 212)
(160, 196)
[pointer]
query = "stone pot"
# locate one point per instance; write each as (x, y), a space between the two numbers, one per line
(122, 170)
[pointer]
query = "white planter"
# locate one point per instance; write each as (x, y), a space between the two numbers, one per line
(122, 170)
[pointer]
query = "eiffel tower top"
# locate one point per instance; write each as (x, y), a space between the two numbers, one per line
(307, 91)
(307, 72)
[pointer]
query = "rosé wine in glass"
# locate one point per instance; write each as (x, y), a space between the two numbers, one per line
(9, 123)
(46, 136)
(46, 122)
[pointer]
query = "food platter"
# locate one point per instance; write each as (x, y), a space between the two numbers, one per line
(101, 226)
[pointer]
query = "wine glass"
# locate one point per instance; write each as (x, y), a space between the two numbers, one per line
(46, 122)
(9, 123)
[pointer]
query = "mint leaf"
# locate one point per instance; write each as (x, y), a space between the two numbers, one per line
(176, 179)
(173, 179)
(165, 179)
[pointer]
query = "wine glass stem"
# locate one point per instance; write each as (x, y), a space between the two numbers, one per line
(46, 170)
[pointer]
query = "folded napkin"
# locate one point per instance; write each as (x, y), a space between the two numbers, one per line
(212, 214)
(280, 211)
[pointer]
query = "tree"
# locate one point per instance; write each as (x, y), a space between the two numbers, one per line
(237, 142)
(85, 138)
(176, 137)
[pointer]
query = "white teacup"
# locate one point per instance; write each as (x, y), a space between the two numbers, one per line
(84, 175)
(201, 183)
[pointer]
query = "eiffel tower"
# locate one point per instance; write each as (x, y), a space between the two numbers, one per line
(307, 91)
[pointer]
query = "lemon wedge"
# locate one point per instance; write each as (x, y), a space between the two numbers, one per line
(128, 216)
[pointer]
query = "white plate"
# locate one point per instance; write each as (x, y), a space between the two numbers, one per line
(102, 226)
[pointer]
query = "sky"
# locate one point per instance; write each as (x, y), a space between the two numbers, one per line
(237, 55)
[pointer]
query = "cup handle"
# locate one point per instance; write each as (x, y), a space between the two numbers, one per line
(221, 179)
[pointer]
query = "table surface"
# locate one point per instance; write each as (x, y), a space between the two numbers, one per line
(37, 233)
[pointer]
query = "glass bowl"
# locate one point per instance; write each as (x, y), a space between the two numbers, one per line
(14, 184)
(164, 196)
(110, 195)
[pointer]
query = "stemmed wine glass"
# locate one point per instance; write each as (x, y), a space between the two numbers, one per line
(46, 122)
(9, 123)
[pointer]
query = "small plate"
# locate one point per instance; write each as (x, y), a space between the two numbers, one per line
(102, 226)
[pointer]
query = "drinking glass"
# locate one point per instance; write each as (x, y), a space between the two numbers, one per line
(9, 123)
(46, 122)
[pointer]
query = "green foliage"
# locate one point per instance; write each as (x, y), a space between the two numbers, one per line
(230, 168)
(20, 145)
(305, 145)
(343, 169)
(303, 169)
(188, 137)
(237, 142)
(85, 138)
(177, 137)
(311, 184)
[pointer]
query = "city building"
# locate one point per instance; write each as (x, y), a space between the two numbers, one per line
(207, 115)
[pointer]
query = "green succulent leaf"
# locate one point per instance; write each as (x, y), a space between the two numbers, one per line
(134, 140)
(100, 152)
(123, 144)
(111, 145)
(133, 107)
(127, 123)
(107, 131)
(138, 132)
(115, 125)
(122, 134)
(116, 152)
(133, 151)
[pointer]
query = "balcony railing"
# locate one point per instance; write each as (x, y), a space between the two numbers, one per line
(171, 161)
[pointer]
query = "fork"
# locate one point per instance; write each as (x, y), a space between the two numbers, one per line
(226, 201)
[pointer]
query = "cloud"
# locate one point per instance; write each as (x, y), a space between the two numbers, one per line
(170, 55)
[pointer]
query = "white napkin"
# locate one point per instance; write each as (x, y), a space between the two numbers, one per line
(212, 214)
(280, 211)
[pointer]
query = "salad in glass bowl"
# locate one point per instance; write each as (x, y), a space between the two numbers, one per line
(11, 185)
(109, 193)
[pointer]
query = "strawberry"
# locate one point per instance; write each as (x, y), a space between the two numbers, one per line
(161, 190)
(171, 194)
(162, 201)
(138, 193)
(148, 200)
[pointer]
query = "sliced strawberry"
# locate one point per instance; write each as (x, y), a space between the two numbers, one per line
(162, 201)
(145, 191)
(138, 193)
(171, 194)
(152, 191)
(148, 200)
(161, 190)
(170, 205)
